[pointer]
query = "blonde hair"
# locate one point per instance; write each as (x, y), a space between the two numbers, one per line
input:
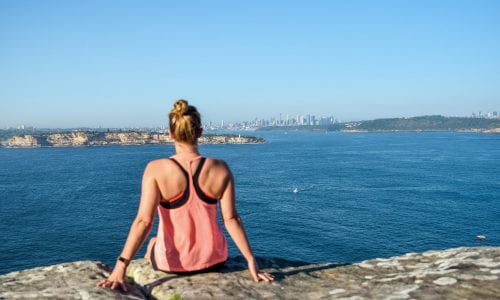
(185, 122)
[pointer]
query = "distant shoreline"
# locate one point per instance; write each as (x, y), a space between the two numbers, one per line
(414, 124)
(122, 138)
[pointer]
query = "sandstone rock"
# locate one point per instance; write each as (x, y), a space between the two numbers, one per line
(68, 139)
(92, 138)
(460, 273)
(21, 141)
(75, 280)
(493, 130)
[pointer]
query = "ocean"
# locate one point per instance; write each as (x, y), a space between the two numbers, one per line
(307, 196)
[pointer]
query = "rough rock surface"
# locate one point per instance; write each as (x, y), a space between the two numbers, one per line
(460, 273)
(75, 280)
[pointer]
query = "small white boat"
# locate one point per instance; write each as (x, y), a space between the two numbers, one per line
(295, 190)
(481, 237)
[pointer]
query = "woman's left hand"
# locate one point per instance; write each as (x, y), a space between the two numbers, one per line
(116, 279)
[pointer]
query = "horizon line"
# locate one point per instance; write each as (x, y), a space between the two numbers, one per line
(234, 122)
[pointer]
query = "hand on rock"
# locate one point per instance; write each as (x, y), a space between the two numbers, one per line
(116, 280)
(258, 275)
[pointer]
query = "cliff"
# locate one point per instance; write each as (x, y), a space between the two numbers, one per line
(460, 273)
(92, 138)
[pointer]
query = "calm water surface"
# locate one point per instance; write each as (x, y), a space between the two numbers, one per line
(360, 196)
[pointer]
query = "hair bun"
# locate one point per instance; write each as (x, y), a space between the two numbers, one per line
(181, 107)
(184, 122)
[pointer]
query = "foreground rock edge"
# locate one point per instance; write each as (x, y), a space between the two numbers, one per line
(458, 273)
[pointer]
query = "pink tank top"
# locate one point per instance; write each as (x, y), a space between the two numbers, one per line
(189, 236)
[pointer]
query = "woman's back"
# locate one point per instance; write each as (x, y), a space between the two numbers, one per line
(189, 237)
(171, 181)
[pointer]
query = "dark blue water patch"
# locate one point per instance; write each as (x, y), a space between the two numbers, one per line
(358, 196)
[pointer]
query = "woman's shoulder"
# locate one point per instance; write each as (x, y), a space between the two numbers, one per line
(215, 163)
(159, 162)
(157, 165)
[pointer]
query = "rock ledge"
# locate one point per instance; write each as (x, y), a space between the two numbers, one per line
(459, 273)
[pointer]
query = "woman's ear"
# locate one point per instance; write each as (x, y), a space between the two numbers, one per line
(171, 135)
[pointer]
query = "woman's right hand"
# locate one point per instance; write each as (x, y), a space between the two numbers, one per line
(116, 279)
(257, 275)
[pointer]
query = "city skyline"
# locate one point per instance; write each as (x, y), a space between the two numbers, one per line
(319, 120)
(119, 64)
(282, 119)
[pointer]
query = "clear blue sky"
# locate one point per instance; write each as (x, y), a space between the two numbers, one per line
(123, 63)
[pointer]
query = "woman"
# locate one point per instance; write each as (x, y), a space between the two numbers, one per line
(185, 189)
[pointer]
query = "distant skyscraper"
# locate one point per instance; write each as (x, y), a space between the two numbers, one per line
(313, 120)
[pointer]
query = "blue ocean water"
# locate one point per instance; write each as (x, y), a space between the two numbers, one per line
(360, 196)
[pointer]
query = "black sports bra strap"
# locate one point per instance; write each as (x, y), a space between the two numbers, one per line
(198, 169)
(185, 195)
(181, 167)
(197, 187)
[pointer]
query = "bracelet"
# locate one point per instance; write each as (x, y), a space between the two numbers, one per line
(124, 260)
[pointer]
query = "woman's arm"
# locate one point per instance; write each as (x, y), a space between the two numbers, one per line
(234, 226)
(139, 230)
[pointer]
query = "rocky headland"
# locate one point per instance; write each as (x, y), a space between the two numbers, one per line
(94, 138)
(459, 273)
(413, 124)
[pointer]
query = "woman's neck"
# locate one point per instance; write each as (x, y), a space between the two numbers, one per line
(186, 149)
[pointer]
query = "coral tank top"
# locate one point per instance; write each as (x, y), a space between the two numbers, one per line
(189, 236)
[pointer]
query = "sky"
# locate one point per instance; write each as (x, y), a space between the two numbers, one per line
(123, 63)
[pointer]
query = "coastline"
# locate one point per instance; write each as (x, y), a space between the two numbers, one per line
(130, 138)
(486, 131)
(414, 124)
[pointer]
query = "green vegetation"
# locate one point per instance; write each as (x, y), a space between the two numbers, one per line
(427, 123)
(7, 133)
(175, 297)
(423, 123)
